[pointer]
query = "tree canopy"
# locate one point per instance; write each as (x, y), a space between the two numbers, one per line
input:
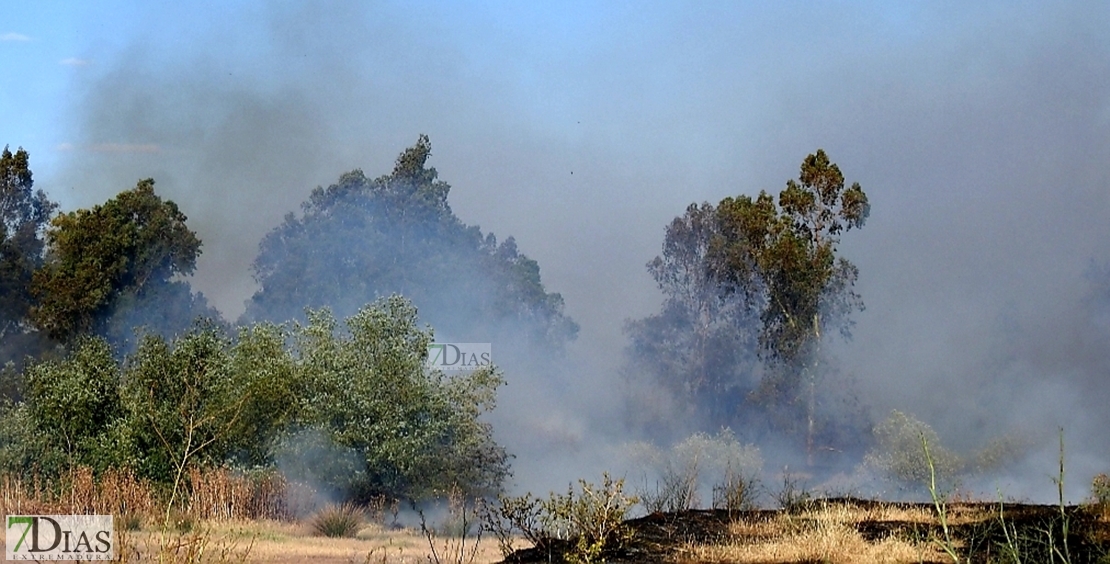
(348, 406)
(364, 238)
(106, 262)
(700, 348)
(751, 278)
(24, 214)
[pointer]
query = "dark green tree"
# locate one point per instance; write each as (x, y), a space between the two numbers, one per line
(111, 268)
(701, 346)
(786, 256)
(361, 239)
(24, 214)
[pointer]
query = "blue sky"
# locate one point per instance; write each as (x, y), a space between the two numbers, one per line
(981, 133)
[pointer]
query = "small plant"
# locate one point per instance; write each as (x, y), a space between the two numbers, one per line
(940, 503)
(450, 543)
(735, 493)
(675, 491)
(1100, 494)
(513, 515)
(793, 498)
(590, 518)
(1065, 521)
(593, 517)
(338, 521)
(1100, 489)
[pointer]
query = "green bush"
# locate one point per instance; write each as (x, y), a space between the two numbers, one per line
(899, 456)
(589, 518)
(413, 432)
(359, 392)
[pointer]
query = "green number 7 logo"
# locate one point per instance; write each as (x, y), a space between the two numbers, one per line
(29, 521)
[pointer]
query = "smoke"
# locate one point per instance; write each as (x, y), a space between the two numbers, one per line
(979, 134)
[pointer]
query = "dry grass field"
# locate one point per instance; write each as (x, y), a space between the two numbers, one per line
(848, 531)
(231, 518)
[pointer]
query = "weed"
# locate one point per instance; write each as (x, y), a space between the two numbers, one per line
(338, 521)
(512, 515)
(593, 517)
(735, 493)
(946, 544)
(449, 545)
(793, 498)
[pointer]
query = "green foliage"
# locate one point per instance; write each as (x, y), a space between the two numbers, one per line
(355, 405)
(24, 214)
(24, 450)
(182, 401)
(98, 259)
(753, 279)
(786, 255)
(415, 432)
(593, 517)
(590, 517)
(75, 402)
(899, 455)
(362, 238)
(338, 521)
(1100, 489)
(701, 347)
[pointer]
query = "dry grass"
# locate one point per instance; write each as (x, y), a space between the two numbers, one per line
(829, 532)
(117, 492)
(281, 542)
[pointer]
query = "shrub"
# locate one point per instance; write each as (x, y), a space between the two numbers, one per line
(593, 517)
(406, 432)
(720, 460)
(1100, 489)
(590, 519)
(336, 521)
(900, 457)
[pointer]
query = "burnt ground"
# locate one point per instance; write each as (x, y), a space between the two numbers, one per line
(1035, 531)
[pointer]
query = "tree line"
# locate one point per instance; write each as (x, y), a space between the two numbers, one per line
(112, 360)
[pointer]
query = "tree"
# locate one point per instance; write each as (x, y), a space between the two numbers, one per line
(390, 426)
(361, 239)
(787, 255)
(122, 253)
(701, 346)
(75, 401)
(24, 214)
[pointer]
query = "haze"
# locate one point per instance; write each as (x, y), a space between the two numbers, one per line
(980, 133)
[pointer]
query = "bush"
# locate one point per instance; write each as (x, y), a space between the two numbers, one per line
(590, 519)
(338, 521)
(405, 432)
(593, 517)
(1100, 489)
(720, 460)
(900, 457)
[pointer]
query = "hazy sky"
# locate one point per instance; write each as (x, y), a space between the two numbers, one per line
(981, 134)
